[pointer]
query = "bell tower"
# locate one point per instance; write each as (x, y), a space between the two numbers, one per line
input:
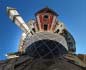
(46, 19)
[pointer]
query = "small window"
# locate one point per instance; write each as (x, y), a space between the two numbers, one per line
(33, 29)
(45, 27)
(57, 31)
(45, 16)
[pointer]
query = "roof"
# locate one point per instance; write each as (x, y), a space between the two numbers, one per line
(82, 57)
(46, 10)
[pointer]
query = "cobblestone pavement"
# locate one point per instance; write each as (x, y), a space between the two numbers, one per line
(26, 63)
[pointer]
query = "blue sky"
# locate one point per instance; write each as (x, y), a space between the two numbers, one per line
(72, 13)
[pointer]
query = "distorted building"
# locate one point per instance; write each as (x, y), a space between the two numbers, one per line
(45, 35)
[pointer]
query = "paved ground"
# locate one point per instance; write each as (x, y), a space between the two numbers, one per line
(26, 63)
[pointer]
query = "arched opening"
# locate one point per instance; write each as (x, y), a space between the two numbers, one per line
(45, 49)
